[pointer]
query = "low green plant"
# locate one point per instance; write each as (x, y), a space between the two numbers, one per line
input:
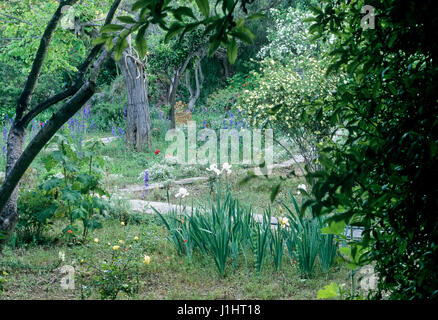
(220, 229)
(303, 244)
(37, 209)
(261, 237)
(3, 280)
(77, 191)
(174, 225)
(327, 251)
(277, 245)
(118, 271)
(305, 241)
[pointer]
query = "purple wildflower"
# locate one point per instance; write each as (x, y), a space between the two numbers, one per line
(5, 134)
(146, 182)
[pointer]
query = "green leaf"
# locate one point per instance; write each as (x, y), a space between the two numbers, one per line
(174, 29)
(274, 191)
(140, 4)
(99, 40)
(232, 51)
(126, 19)
(46, 214)
(51, 184)
(244, 35)
(70, 195)
(183, 11)
(256, 16)
(111, 28)
(335, 227)
(120, 46)
(204, 7)
(140, 40)
(214, 44)
(330, 291)
(251, 175)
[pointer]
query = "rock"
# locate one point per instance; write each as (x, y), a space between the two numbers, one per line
(191, 180)
(108, 139)
(367, 279)
(115, 176)
(160, 185)
(146, 206)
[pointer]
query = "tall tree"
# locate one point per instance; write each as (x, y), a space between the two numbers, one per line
(77, 95)
(199, 79)
(138, 122)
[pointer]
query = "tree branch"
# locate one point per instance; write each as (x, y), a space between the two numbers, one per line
(57, 120)
(26, 95)
(18, 19)
(79, 77)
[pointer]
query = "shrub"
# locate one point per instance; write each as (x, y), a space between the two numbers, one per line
(118, 270)
(75, 193)
(37, 211)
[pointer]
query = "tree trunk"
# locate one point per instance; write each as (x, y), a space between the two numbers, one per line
(9, 217)
(226, 66)
(138, 122)
(171, 98)
(174, 82)
(194, 94)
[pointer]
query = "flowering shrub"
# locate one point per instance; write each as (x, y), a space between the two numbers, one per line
(117, 272)
(159, 172)
(289, 36)
(292, 100)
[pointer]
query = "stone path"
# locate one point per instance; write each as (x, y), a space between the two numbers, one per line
(140, 188)
(144, 206)
(187, 181)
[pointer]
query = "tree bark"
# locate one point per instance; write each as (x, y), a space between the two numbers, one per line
(194, 93)
(174, 83)
(138, 122)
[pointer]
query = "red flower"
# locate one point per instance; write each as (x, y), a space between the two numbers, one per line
(69, 231)
(185, 240)
(207, 124)
(243, 85)
(180, 262)
(157, 151)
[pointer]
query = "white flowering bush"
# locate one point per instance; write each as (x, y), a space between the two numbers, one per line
(293, 100)
(289, 36)
(159, 172)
